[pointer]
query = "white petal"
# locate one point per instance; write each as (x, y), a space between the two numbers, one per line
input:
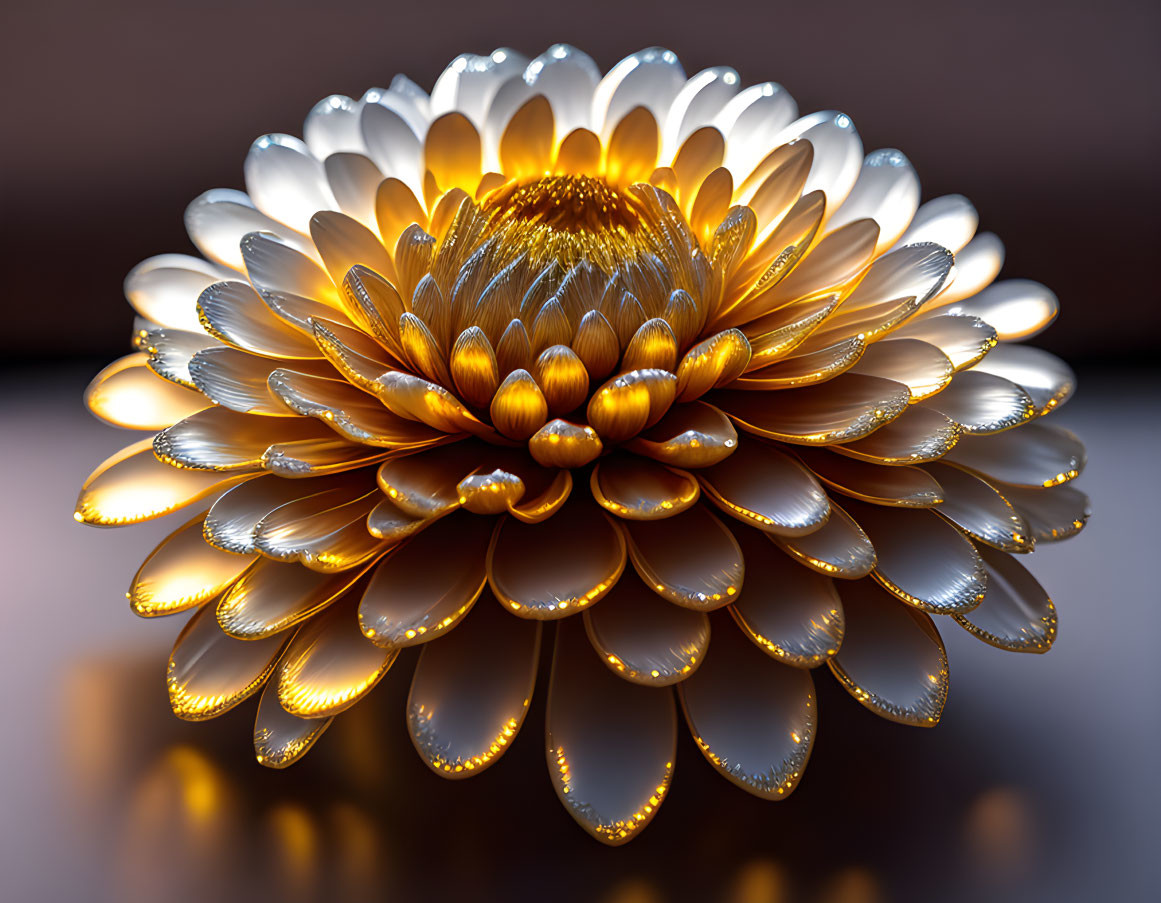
(950, 221)
(285, 181)
(217, 219)
(696, 104)
(1016, 308)
(976, 265)
(511, 96)
(354, 180)
(470, 82)
(332, 127)
(649, 78)
(838, 153)
(887, 191)
(392, 143)
(165, 289)
(750, 121)
(567, 77)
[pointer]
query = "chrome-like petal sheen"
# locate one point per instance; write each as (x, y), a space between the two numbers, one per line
(281, 739)
(1016, 613)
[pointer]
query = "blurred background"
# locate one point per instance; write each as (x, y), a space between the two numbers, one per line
(1041, 784)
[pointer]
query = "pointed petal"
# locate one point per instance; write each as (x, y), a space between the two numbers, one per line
(428, 583)
(765, 488)
(182, 573)
(610, 744)
(790, 611)
(330, 665)
(281, 739)
(236, 314)
(639, 489)
(753, 719)
(692, 560)
(519, 408)
(892, 659)
(555, 568)
(1016, 613)
(716, 362)
(209, 673)
(922, 559)
(471, 691)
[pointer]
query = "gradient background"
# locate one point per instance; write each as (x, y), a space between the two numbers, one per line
(1041, 783)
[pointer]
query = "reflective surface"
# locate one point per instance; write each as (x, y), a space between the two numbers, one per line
(1044, 792)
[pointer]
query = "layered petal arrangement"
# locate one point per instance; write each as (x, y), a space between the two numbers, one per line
(650, 357)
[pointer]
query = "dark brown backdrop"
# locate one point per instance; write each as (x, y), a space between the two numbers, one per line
(1044, 114)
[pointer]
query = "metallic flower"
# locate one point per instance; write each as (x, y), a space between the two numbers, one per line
(639, 354)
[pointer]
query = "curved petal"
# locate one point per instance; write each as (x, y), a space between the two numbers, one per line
(982, 403)
(1047, 379)
(567, 77)
(791, 612)
(217, 219)
(330, 665)
(236, 314)
(1016, 613)
(689, 435)
(209, 673)
(950, 221)
(285, 180)
(332, 126)
(692, 560)
(1017, 308)
(750, 122)
(978, 508)
(1051, 514)
(165, 289)
(923, 368)
(752, 718)
(128, 394)
(275, 266)
(922, 559)
(696, 104)
(555, 568)
(452, 152)
(425, 485)
(281, 739)
(887, 191)
(610, 745)
(976, 264)
(182, 573)
(839, 548)
(917, 435)
(428, 583)
(644, 639)
(326, 532)
(650, 78)
(223, 440)
(132, 486)
(963, 339)
(1035, 455)
(765, 488)
(838, 153)
(471, 691)
(237, 380)
(892, 659)
(907, 487)
(639, 489)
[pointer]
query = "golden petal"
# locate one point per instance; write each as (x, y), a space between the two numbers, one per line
(428, 583)
(330, 665)
(922, 559)
(843, 409)
(562, 377)
(773, 258)
(550, 327)
(579, 153)
(316, 457)
(452, 152)
(777, 334)
(273, 596)
(692, 560)
(644, 639)
(343, 242)
(791, 612)
(921, 367)
(326, 532)
(627, 316)
(133, 486)
(562, 444)
(640, 489)
(1047, 379)
(633, 148)
(128, 394)
(238, 381)
(281, 739)
(396, 208)
(473, 367)
(1035, 455)
(519, 408)
(209, 673)
(418, 399)
(653, 346)
(683, 317)
(611, 745)
(1016, 613)
(716, 362)
(421, 349)
(664, 178)
(490, 493)
(471, 691)
(555, 568)
(978, 508)
(389, 522)
(528, 139)
(224, 440)
(753, 719)
(1051, 514)
(182, 573)
(905, 487)
(814, 366)
(839, 548)
(982, 403)
(732, 241)
(767, 489)
(414, 254)
(429, 305)
(832, 263)
(964, 340)
(777, 183)
(275, 266)
(376, 306)
(424, 485)
(236, 314)
(625, 405)
(514, 351)
(689, 435)
(892, 659)
(354, 354)
(710, 205)
(916, 436)
(545, 492)
(700, 154)
(596, 344)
